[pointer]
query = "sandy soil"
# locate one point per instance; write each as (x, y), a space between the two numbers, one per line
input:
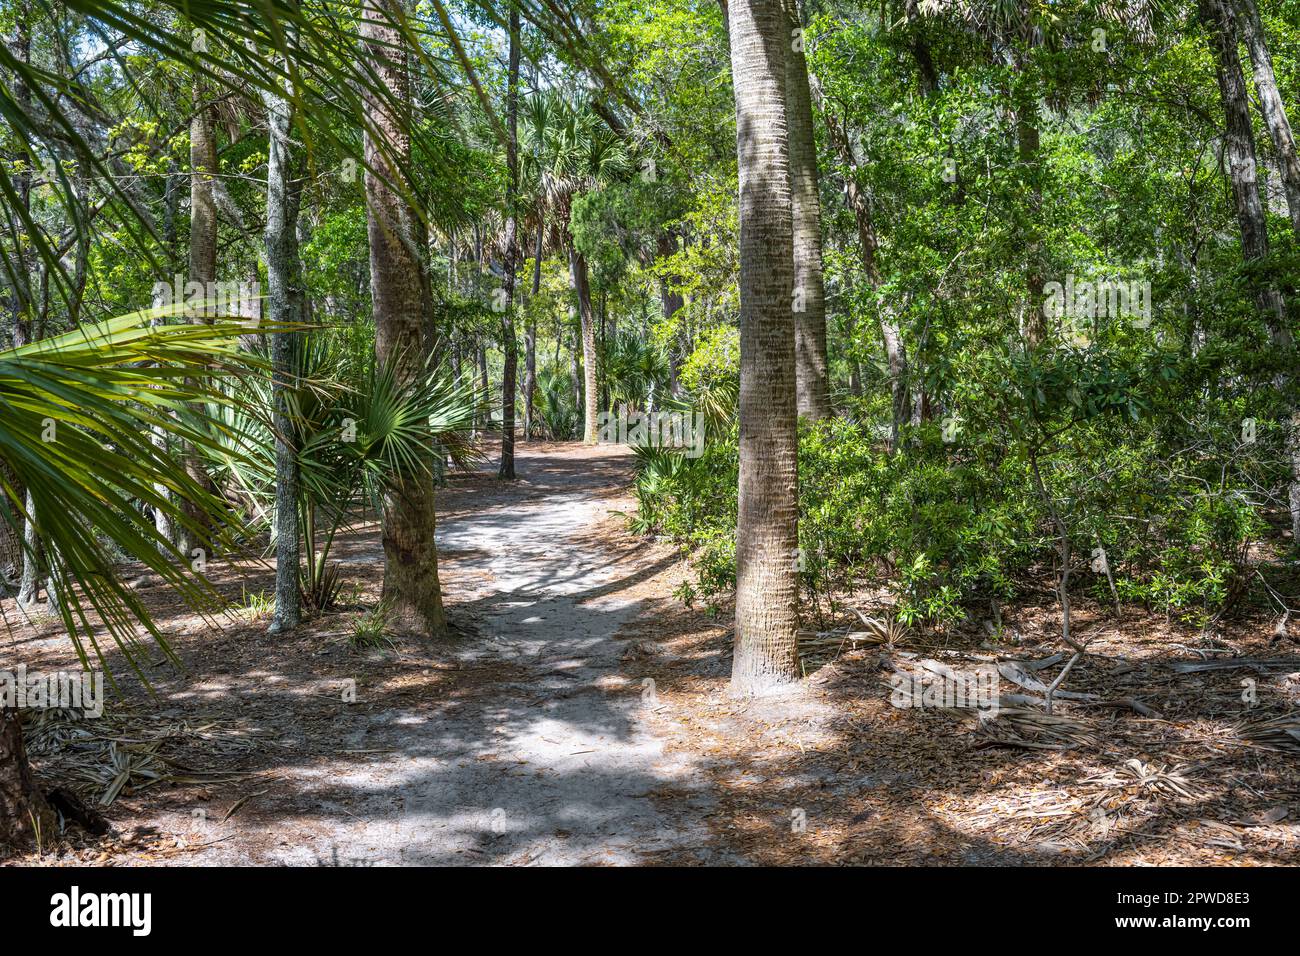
(580, 716)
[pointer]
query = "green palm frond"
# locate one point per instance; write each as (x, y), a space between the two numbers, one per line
(77, 418)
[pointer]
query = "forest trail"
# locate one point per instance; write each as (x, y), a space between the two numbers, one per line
(537, 751)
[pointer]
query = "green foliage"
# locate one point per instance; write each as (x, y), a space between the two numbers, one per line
(370, 629)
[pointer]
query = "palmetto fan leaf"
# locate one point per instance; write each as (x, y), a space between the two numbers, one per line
(399, 428)
(76, 417)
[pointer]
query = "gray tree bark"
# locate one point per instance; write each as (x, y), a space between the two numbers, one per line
(285, 295)
(1271, 105)
(767, 587)
(509, 344)
(581, 286)
(814, 399)
(1240, 158)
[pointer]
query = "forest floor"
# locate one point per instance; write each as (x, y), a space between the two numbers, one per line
(581, 716)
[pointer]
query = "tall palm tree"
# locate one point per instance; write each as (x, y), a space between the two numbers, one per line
(397, 293)
(766, 638)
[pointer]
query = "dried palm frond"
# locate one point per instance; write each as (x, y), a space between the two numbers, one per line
(1134, 773)
(886, 630)
(120, 754)
(1277, 733)
(1020, 727)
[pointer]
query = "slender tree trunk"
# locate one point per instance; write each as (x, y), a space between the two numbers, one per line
(582, 291)
(767, 586)
(809, 292)
(670, 301)
(530, 339)
(530, 375)
(1271, 106)
(410, 554)
(285, 295)
(1240, 156)
(1027, 148)
(575, 377)
(29, 586)
(509, 345)
(484, 386)
(21, 296)
(203, 272)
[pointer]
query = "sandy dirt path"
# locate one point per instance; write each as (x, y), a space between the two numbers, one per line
(538, 751)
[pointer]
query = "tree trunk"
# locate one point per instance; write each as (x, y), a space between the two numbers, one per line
(1027, 147)
(285, 304)
(410, 554)
(203, 271)
(530, 340)
(582, 291)
(1239, 154)
(530, 375)
(33, 557)
(767, 585)
(509, 345)
(23, 810)
(575, 376)
(809, 303)
(1271, 106)
(670, 302)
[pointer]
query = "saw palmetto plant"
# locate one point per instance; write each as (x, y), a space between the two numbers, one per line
(355, 429)
(79, 416)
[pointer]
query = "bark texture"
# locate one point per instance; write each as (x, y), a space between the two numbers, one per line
(766, 636)
(1242, 165)
(23, 810)
(410, 557)
(1271, 107)
(809, 304)
(509, 344)
(581, 286)
(285, 306)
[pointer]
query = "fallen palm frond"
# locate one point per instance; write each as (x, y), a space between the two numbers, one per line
(1277, 733)
(885, 631)
(1020, 727)
(1260, 664)
(1135, 774)
(116, 755)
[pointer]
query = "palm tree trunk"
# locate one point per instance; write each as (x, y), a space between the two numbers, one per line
(285, 304)
(582, 291)
(410, 554)
(1240, 157)
(575, 375)
(814, 400)
(767, 588)
(509, 345)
